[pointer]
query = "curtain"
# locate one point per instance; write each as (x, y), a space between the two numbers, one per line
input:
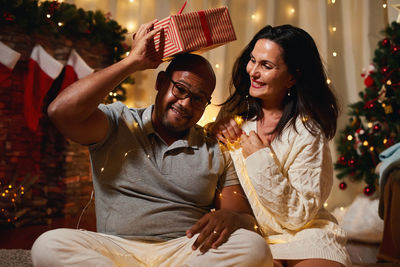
(345, 31)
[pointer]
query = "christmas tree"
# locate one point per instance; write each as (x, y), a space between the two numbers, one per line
(374, 122)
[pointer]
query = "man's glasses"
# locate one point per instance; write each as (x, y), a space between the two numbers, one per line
(181, 92)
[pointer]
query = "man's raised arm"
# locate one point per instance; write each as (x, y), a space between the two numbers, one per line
(75, 110)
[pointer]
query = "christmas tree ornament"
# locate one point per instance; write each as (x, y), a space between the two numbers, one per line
(342, 185)
(388, 108)
(369, 82)
(369, 190)
(8, 16)
(351, 163)
(385, 42)
(382, 94)
(376, 127)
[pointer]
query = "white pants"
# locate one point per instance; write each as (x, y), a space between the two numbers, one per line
(70, 247)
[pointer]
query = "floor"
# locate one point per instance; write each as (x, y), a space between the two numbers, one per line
(23, 237)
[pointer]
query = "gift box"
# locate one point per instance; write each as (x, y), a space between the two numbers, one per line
(195, 31)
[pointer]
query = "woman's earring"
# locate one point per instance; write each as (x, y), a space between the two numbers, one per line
(288, 92)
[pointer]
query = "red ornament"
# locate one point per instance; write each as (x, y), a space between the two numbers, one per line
(376, 127)
(369, 190)
(385, 42)
(384, 69)
(351, 163)
(395, 49)
(8, 16)
(342, 185)
(370, 104)
(342, 160)
(53, 6)
(368, 81)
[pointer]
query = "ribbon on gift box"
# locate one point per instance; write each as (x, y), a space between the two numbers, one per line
(195, 31)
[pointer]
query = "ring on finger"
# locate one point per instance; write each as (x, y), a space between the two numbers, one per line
(215, 232)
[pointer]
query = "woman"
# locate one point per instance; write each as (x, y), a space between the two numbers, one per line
(283, 159)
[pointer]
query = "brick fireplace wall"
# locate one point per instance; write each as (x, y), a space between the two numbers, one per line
(58, 168)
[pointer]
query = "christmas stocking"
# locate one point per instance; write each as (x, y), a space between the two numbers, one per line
(8, 59)
(75, 69)
(42, 70)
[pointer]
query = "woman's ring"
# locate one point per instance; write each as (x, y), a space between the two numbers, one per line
(215, 232)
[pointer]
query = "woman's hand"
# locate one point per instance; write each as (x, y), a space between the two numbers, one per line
(250, 143)
(226, 130)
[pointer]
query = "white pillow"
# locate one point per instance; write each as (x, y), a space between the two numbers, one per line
(361, 220)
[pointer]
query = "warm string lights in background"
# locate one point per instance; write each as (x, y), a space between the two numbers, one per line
(11, 195)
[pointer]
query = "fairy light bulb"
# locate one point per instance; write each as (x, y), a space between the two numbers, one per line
(384, 5)
(60, 24)
(365, 143)
(325, 204)
(334, 28)
(370, 124)
(333, 1)
(334, 54)
(371, 148)
(349, 137)
(328, 81)
(217, 66)
(48, 16)
(131, 26)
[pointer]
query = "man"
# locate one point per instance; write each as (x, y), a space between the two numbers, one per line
(155, 174)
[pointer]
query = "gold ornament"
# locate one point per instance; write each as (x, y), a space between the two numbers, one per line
(388, 108)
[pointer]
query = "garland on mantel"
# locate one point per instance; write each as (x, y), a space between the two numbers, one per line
(52, 18)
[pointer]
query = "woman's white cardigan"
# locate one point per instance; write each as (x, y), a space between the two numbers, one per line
(287, 185)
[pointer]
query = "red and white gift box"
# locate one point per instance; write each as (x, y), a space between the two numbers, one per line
(195, 31)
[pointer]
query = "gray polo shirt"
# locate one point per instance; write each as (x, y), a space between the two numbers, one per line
(145, 189)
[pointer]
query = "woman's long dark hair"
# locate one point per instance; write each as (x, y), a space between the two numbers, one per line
(311, 97)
